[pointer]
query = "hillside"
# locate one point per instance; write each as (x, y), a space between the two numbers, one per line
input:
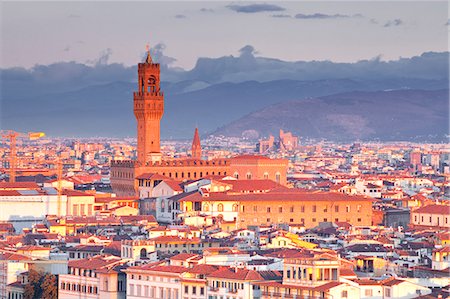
(383, 115)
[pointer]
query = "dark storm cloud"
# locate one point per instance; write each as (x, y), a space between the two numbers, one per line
(206, 10)
(393, 23)
(180, 17)
(253, 8)
(325, 16)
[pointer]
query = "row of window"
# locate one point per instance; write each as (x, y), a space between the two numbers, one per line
(229, 285)
(194, 290)
(148, 278)
(430, 219)
(220, 208)
(302, 220)
(79, 288)
(306, 274)
(81, 272)
(152, 292)
(183, 245)
(303, 209)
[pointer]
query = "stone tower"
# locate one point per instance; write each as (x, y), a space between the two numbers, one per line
(196, 147)
(148, 109)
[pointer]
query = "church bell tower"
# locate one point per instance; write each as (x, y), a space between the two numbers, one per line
(148, 109)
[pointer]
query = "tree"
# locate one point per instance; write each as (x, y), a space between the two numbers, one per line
(29, 291)
(49, 287)
(40, 285)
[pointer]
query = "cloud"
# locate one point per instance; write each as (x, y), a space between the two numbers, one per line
(281, 16)
(247, 50)
(252, 8)
(206, 9)
(67, 48)
(157, 53)
(180, 16)
(393, 23)
(325, 16)
(448, 23)
(373, 21)
(102, 59)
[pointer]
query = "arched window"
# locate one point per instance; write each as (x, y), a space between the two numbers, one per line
(151, 87)
(220, 207)
(266, 175)
(143, 253)
(235, 207)
(278, 177)
(249, 175)
(206, 207)
(236, 175)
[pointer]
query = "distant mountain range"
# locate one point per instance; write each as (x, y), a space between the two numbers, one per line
(409, 115)
(72, 99)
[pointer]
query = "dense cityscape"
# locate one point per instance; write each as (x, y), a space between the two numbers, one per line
(278, 217)
(215, 150)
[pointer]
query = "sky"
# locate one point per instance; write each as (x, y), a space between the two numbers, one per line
(47, 32)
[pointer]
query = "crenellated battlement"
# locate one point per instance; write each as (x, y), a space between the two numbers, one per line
(123, 163)
(138, 95)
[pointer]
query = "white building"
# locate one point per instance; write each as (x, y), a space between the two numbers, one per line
(99, 277)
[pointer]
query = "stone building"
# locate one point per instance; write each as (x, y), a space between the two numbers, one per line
(307, 209)
(148, 110)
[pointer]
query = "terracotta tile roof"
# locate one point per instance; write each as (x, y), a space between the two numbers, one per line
(9, 193)
(434, 209)
(183, 256)
(367, 281)
(69, 192)
(18, 185)
(175, 185)
(237, 274)
(327, 286)
(391, 282)
(445, 249)
(346, 272)
(13, 256)
(203, 269)
(97, 262)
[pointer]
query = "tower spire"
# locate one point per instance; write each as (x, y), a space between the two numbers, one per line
(196, 146)
(149, 57)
